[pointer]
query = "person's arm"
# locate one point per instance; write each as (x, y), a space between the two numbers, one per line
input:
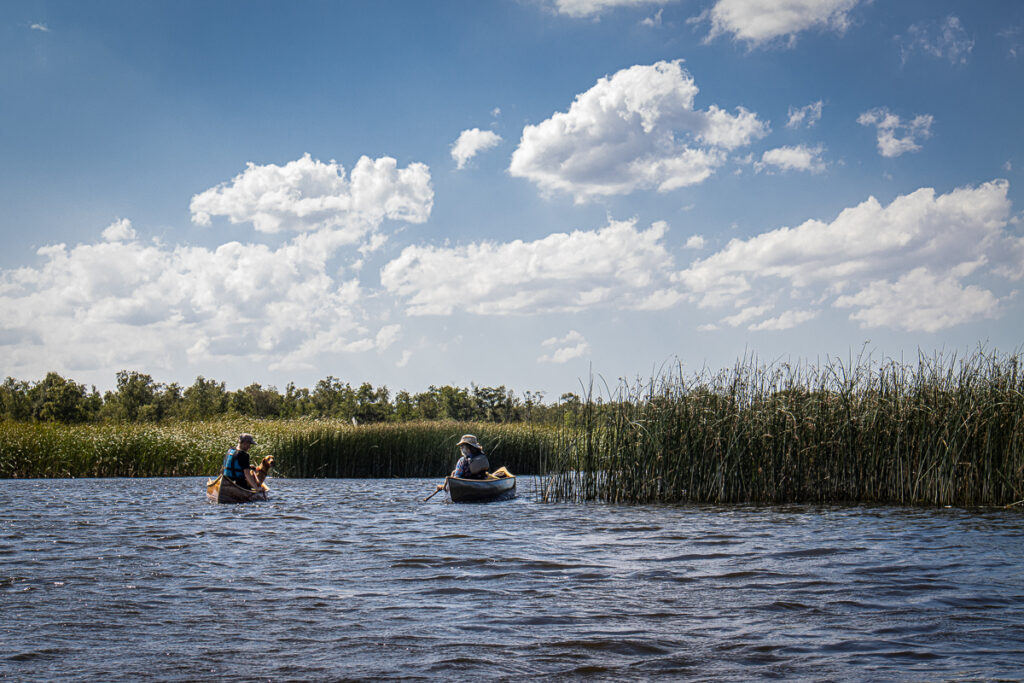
(250, 477)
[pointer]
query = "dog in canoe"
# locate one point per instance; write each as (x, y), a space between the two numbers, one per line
(263, 470)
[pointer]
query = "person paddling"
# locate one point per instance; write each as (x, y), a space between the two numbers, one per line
(472, 463)
(237, 467)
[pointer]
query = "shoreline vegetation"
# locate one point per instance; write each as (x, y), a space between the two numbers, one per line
(941, 431)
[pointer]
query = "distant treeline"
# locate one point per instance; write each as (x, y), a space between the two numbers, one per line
(138, 398)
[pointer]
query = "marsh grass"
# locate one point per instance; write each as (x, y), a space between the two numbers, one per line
(302, 448)
(941, 432)
(944, 431)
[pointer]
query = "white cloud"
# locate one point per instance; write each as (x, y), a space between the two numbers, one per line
(654, 21)
(889, 124)
(695, 242)
(746, 315)
(167, 306)
(40, 27)
(119, 230)
(1014, 44)
(870, 258)
(762, 21)
(617, 265)
(592, 8)
(920, 300)
(307, 195)
(471, 142)
(787, 320)
(948, 40)
(799, 158)
(805, 116)
(572, 345)
(637, 129)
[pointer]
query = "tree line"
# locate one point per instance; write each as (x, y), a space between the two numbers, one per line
(139, 398)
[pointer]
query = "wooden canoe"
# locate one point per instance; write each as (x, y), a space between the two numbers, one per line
(223, 490)
(498, 486)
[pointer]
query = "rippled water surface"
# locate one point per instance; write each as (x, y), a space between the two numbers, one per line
(118, 579)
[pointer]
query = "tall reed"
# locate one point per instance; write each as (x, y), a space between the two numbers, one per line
(942, 432)
(302, 448)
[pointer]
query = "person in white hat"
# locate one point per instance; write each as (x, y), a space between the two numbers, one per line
(473, 463)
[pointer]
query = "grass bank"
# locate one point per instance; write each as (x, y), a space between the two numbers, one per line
(302, 448)
(941, 431)
(938, 432)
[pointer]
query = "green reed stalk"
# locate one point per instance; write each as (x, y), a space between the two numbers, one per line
(302, 448)
(941, 432)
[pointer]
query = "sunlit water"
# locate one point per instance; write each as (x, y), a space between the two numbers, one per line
(360, 579)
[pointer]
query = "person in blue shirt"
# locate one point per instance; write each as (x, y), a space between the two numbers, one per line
(237, 466)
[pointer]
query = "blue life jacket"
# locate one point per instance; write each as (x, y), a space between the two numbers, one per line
(232, 469)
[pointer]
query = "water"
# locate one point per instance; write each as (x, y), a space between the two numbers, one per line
(121, 579)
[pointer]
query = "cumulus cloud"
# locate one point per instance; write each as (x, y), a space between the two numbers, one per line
(799, 158)
(617, 265)
(471, 142)
(757, 22)
(572, 345)
(805, 116)
(695, 242)
(904, 265)
(637, 129)
(169, 305)
(593, 8)
(119, 230)
(920, 300)
(307, 195)
(121, 301)
(947, 41)
(889, 125)
(43, 28)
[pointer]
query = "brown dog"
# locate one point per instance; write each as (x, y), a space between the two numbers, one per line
(263, 470)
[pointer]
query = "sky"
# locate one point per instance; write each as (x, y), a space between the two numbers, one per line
(542, 194)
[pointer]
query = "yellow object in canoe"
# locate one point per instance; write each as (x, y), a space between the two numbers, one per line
(223, 490)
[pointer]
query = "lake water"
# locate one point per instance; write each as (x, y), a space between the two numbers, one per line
(124, 579)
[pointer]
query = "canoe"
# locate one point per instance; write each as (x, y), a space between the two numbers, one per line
(498, 486)
(221, 490)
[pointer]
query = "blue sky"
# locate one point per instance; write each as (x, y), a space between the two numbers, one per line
(512, 192)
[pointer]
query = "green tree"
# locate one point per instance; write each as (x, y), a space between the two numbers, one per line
(205, 398)
(372, 405)
(405, 407)
(256, 401)
(135, 392)
(297, 401)
(14, 401)
(331, 398)
(56, 399)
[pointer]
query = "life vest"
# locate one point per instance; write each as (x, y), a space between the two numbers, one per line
(232, 470)
(478, 463)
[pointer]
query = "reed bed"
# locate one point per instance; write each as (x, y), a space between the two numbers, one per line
(941, 432)
(416, 449)
(302, 448)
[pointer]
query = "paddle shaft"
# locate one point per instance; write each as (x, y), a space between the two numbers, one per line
(439, 489)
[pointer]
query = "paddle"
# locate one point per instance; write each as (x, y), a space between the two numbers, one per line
(440, 487)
